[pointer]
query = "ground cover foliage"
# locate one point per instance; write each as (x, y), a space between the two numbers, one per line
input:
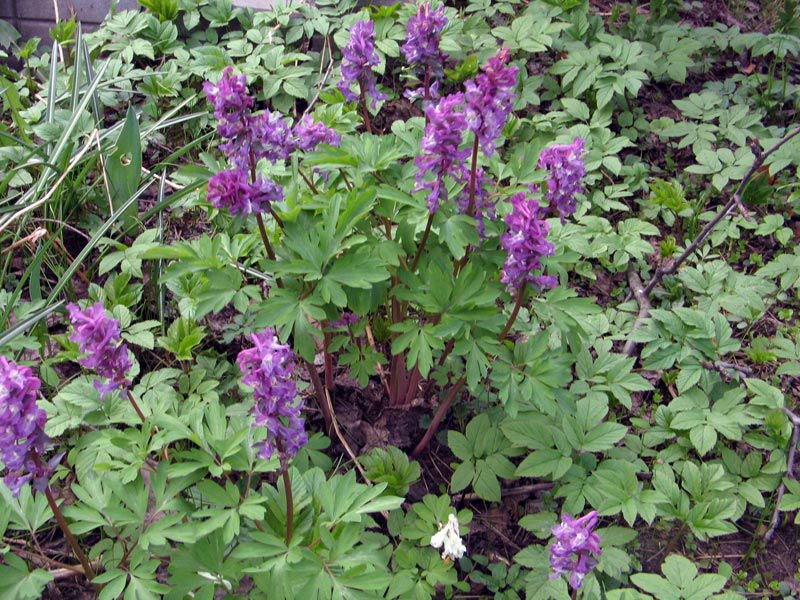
(473, 299)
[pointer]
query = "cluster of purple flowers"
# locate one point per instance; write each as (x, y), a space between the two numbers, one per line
(576, 547)
(248, 138)
(421, 49)
(566, 168)
(484, 109)
(22, 437)
(307, 134)
(99, 339)
(526, 243)
(359, 57)
(490, 98)
(441, 154)
(268, 368)
(232, 190)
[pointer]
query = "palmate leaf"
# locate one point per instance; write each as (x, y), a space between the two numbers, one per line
(19, 583)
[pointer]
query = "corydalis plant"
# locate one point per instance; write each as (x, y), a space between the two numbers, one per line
(22, 436)
(576, 548)
(490, 99)
(99, 340)
(565, 165)
(525, 243)
(441, 148)
(250, 137)
(268, 368)
(421, 49)
(23, 442)
(359, 57)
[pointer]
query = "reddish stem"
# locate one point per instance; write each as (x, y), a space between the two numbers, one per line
(136, 406)
(422, 243)
(322, 399)
(364, 110)
(437, 418)
(513, 316)
(287, 487)
(267, 246)
(62, 523)
(328, 358)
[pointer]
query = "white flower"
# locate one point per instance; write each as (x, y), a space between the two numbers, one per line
(449, 540)
(218, 579)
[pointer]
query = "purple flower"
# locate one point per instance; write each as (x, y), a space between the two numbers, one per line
(229, 97)
(359, 57)
(99, 339)
(308, 135)
(483, 206)
(423, 35)
(231, 190)
(440, 144)
(526, 243)
(268, 369)
(347, 319)
(22, 437)
(271, 137)
(571, 553)
(566, 171)
(490, 98)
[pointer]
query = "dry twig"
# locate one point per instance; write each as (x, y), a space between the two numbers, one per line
(735, 201)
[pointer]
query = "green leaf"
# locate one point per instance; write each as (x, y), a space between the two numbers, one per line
(124, 166)
(16, 582)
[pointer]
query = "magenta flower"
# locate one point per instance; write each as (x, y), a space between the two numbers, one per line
(565, 164)
(348, 319)
(359, 57)
(490, 98)
(99, 339)
(232, 190)
(576, 549)
(423, 36)
(308, 135)
(268, 368)
(230, 101)
(441, 154)
(22, 436)
(526, 244)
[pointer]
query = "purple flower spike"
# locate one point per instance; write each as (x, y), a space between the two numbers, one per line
(565, 164)
(308, 135)
(572, 552)
(231, 190)
(490, 98)
(440, 148)
(22, 436)
(359, 58)
(423, 36)
(526, 243)
(268, 369)
(99, 339)
(229, 96)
